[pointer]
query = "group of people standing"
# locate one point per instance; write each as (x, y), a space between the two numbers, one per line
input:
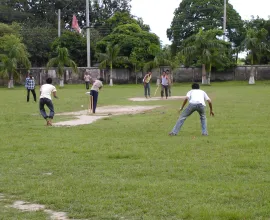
(196, 98)
(165, 81)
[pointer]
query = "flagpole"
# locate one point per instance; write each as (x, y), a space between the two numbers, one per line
(88, 34)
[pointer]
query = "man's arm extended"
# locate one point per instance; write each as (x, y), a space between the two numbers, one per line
(54, 95)
(211, 107)
(183, 105)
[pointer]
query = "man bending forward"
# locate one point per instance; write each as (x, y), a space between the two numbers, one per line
(196, 98)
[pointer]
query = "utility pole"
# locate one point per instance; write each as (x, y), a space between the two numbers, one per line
(224, 20)
(59, 22)
(88, 34)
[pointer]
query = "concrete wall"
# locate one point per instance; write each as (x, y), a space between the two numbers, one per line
(120, 76)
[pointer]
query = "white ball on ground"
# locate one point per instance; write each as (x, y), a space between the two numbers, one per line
(81, 105)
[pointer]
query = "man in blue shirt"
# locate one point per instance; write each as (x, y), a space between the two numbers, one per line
(30, 86)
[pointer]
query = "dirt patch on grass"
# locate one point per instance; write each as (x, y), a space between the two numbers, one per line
(143, 99)
(84, 117)
(28, 207)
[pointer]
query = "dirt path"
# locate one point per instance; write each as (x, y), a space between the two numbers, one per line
(84, 117)
(143, 99)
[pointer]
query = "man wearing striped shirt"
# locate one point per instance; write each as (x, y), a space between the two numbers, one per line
(30, 86)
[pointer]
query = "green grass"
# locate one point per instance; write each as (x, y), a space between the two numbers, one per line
(128, 167)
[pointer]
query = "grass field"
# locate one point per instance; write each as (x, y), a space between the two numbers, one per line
(127, 167)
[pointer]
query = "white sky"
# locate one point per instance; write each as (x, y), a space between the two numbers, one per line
(159, 13)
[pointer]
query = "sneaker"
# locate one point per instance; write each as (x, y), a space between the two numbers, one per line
(172, 134)
(204, 134)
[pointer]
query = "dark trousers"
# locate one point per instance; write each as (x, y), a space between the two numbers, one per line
(169, 90)
(166, 91)
(146, 90)
(49, 104)
(33, 93)
(87, 85)
(94, 100)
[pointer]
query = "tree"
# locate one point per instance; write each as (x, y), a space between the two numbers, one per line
(110, 57)
(60, 62)
(191, 15)
(36, 12)
(76, 45)
(256, 44)
(133, 41)
(8, 29)
(206, 48)
(13, 53)
(38, 41)
(257, 24)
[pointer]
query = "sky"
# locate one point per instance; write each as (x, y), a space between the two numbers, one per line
(158, 14)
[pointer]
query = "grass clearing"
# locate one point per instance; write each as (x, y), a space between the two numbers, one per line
(128, 167)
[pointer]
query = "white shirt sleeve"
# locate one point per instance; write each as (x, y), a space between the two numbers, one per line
(189, 94)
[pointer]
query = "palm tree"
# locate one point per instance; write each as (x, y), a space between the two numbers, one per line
(255, 43)
(203, 47)
(13, 53)
(109, 57)
(60, 62)
(137, 62)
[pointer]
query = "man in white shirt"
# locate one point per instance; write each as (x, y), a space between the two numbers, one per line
(196, 98)
(97, 85)
(164, 84)
(87, 79)
(46, 99)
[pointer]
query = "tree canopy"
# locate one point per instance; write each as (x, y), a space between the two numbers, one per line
(191, 15)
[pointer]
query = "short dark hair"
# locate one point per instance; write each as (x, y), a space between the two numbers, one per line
(195, 86)
(101, 79)
(49, 80)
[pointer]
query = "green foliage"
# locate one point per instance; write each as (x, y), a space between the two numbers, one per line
(258, 24)
(76, 45)
(192, 15)
(206, 49)
(13, 53)
(135, 43)
(111, 57)
(256, 44)
(9, 29)
(38, 42)
(61, 61)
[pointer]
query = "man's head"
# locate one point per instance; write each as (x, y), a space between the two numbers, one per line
(101, 79)
(149, 72)
(30, 75)
(49, 80)
(163, 73)
(195, 86)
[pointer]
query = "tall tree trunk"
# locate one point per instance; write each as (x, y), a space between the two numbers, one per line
(204, 79)
(251, 76)
(61, 82)
(111, 79)
(209, 75)
(10, 81)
